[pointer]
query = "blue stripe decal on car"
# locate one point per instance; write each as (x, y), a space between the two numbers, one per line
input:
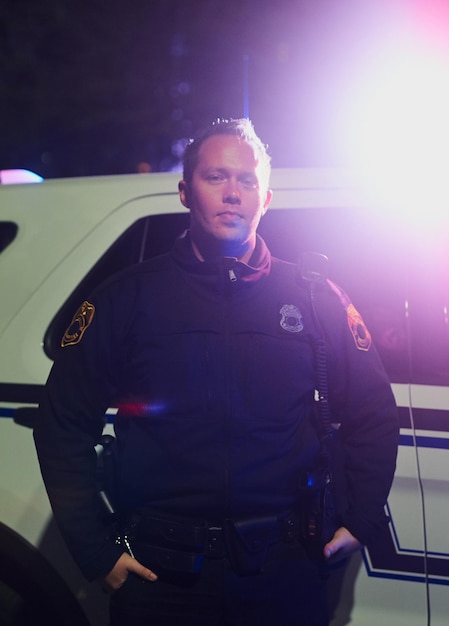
(422, 441)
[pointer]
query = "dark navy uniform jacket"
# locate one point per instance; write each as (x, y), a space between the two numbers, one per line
(210, 365)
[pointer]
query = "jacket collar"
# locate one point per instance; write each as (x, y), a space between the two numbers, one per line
(259, 264)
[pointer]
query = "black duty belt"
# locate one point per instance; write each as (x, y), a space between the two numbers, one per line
(180, 545)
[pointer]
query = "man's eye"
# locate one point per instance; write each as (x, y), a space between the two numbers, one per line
(214, 178)
(249, 183)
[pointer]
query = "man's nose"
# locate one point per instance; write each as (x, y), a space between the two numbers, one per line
(231, 194)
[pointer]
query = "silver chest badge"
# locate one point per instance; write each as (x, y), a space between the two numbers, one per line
(291, 318)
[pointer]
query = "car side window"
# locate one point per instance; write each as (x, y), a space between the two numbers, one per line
(147, 237)
(8, 232)
(405, 312)
(403, 298)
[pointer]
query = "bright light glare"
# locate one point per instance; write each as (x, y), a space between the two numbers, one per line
(404, 122)
(16, 177)
(396, 131)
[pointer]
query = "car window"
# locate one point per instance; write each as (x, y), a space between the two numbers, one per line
(404, 308)
(145, 238)
(399, 285)
(8, 232)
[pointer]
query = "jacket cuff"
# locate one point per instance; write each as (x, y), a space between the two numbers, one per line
(362, 529)
(102, 564)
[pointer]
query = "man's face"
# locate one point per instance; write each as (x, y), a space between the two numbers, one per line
(227, 197)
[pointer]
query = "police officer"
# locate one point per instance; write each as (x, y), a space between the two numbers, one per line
(209, 353)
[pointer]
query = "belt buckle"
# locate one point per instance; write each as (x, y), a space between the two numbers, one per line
(214, 548)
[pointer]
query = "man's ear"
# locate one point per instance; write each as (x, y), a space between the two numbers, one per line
(184, 193)
(267, 202)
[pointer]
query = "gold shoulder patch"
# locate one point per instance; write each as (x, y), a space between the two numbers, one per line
(79, 324)
(361, 334)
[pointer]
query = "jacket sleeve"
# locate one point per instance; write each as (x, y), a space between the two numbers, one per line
(79, 389)
(362, 402)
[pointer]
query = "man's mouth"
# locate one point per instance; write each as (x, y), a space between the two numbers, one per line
(230, 214)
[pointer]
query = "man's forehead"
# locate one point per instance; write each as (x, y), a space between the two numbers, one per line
(220, 150)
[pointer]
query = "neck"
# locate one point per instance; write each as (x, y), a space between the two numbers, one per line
(212, 249)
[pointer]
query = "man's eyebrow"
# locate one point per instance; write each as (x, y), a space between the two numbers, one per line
(223, 170)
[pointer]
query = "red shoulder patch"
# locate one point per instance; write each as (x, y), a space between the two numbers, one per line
(360, 332)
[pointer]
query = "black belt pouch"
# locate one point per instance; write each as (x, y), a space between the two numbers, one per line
(172, 546)
(248, 541)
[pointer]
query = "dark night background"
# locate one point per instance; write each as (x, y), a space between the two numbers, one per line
(97, 87)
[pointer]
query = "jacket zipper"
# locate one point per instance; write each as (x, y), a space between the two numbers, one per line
(227, 426)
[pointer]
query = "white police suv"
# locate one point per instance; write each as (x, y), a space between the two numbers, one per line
(59, 238)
